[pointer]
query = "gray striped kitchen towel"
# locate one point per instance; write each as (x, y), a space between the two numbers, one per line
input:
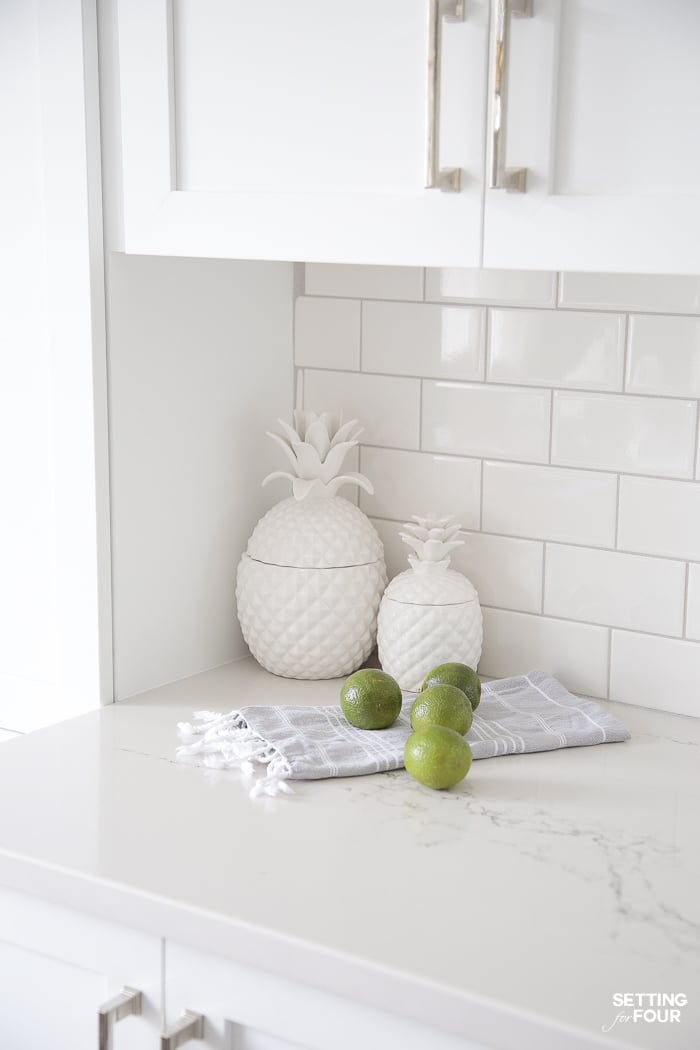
(271, 745)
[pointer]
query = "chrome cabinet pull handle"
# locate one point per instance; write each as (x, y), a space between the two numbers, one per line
(436, 178)
(190, 1026)
(128, 1002)
(501, 177)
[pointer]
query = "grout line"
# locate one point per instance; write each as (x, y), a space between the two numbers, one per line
(564, 543)
(625, 353)
(557, 289)
(544, 576)
(420, 416)
(541, 464)
(588, 623)
(423, 283)
(487, 342)
(509, 304)
(685, 600)
(481, 498)
(510, 385)
(616, 534)
(696, 457)
(362, 319)
(551, 426)
(610, 641)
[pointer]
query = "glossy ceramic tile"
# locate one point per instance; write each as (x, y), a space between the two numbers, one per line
(421, 339)
(664, 356)
(364, 282)
(507, 573)
(655, 672)
(622, 590)
(575, 653)
(556, 348)
(531, 287)
(639, 435)
(367, 398)
(327, 333)
(478, 420)
(692, 626)
(407, 483)
(395, 550)
(551, 503)
(660, 517)
(6, 734)
(641, 292)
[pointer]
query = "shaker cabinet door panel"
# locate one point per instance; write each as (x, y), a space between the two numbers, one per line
(601, 108)
(57, 967)
(298, 131)
(246, 1008)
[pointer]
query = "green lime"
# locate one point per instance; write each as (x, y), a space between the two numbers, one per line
(456, 674)
(437, 757)
(442, 705)
(371, 699)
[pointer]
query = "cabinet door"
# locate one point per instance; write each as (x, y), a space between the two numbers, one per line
(57, 967)
(602, 108)
(248, 1009)
(298, 130)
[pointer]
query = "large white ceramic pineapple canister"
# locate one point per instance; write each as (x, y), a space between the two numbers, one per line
(429, 614)
(309, 584)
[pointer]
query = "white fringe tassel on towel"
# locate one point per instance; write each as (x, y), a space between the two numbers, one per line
(227, 743)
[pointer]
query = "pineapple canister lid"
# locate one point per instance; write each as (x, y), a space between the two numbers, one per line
(315, 534)
(436, 586)
(315, 528)
(430, 580)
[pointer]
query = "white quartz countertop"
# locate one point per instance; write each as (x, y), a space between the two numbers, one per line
(509, 910)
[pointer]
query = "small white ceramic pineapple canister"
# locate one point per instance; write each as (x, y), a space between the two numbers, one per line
(310, 581)
(429, 614)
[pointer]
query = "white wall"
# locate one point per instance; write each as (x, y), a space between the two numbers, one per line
(200, 367)
(557, 416)
(54, 591)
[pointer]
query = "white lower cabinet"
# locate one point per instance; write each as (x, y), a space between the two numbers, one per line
(58, 967)
(247, 1009)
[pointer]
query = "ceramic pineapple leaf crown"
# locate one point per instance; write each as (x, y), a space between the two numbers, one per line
(316, 447)
(432, 540)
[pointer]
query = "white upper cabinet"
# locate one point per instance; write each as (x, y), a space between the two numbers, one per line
(602, 107)
(301, 130)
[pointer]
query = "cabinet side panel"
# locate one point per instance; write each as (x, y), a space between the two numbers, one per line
(200, 366)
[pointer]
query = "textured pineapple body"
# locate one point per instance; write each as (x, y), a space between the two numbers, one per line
(426, 619)
(309, 586)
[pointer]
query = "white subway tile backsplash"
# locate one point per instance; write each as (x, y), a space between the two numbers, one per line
(664, 356)
(421, 339)
(480, 420)
(692, 626)
(364, 282)
(639, 435)
(395, 550)
(388, 407)
(532, 287)
(660, 517)
(575, 653)
(407, 483)
(506, 573)
(655, 672)
(623, 590)
(640, 292)
(327, 333)
(556, 348)
(511, 401)
(550, 503)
